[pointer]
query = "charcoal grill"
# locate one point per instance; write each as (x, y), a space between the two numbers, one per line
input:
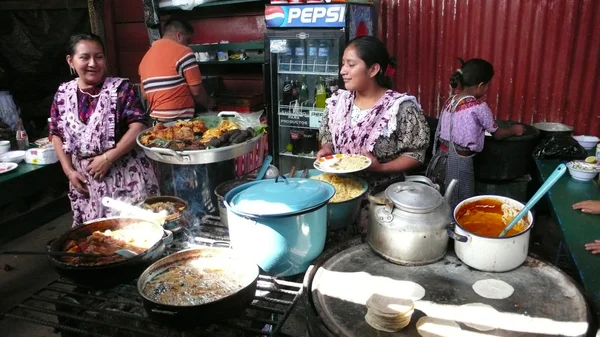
(74, 310)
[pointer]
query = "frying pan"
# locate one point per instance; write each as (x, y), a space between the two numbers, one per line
(113, 273)
(185, 316)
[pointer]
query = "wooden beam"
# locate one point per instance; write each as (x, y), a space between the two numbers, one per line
(110, 38)
(20, 5)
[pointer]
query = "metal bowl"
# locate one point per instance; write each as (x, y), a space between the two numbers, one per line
(197, 157)
(341, 214)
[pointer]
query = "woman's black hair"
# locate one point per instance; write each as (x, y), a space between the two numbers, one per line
(75, 39)
(371, 50)
(471, 73)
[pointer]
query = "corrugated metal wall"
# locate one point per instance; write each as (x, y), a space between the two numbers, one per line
(546, 54)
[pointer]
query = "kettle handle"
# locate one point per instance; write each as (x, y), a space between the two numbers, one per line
(422, 180)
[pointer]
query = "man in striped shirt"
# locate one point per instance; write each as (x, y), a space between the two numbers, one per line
(171, 79)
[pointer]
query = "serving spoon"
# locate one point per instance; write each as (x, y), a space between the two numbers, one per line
(558, 172)
(123, 252)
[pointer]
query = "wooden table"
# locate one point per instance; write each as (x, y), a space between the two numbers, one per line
(578, 228)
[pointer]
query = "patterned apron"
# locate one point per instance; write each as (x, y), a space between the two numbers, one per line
(445, 166)
(131, 178)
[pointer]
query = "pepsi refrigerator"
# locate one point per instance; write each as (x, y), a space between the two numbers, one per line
(304, 44)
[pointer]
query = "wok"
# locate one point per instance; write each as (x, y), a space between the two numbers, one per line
(185, 316)
(112, 273)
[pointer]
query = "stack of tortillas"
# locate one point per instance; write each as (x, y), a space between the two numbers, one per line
(388, 313)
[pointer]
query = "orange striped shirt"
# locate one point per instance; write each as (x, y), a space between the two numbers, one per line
(166, 71)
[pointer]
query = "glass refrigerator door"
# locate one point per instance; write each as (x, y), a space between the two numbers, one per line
(305, 71)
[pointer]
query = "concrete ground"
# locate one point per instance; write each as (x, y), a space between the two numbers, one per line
(31, 273)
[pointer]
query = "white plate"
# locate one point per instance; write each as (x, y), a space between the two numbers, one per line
(7, 167)
(329, 164)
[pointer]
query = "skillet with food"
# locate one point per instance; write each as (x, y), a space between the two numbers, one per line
(105, 236)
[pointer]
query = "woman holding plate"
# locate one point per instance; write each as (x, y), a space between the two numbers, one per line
(369, 118)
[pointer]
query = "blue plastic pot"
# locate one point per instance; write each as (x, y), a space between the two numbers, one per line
(341, 214)
(281, 223)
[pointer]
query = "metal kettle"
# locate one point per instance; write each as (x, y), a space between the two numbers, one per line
(408, 221)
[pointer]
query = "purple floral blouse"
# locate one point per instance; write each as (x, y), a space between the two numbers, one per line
(129, 108)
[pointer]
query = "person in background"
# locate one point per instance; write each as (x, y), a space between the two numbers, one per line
(95, 120)
(372, 119)
(171, 79)
(590, 207)
(460, 134)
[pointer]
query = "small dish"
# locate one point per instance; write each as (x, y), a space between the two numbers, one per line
(13, 157)
(7, 167)
(582, 171)
(587, 142)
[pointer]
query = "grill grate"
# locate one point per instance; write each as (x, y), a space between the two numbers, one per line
(74, 310)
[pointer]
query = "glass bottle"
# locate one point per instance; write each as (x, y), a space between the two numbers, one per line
(22, 139)
(320, 94)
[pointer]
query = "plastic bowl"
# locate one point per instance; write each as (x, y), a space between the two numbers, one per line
(587, 142)
(582, 171)
(13, 156)
(4, 146)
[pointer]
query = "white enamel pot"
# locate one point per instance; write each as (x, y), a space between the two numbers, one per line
(491, 254)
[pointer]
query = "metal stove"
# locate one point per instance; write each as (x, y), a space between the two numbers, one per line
(74, 310)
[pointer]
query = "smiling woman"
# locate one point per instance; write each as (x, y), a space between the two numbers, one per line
(370, 118)
(94, 122)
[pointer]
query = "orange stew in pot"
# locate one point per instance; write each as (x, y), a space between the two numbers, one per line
(488, 217)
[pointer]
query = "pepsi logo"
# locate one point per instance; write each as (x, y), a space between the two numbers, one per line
(274, 16)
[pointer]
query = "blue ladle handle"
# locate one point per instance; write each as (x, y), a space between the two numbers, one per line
(264, 167)
(558, 172)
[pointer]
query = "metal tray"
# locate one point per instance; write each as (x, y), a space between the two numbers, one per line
(196, 157)
(340, 282)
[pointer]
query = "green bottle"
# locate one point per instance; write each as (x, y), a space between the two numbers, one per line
(320, 94)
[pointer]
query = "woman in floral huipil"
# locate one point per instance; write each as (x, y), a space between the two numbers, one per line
(94, 123)
(371, 119)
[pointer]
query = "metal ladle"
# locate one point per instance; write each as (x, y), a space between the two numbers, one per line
(558, 172)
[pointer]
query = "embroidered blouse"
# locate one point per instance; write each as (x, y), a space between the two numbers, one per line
(129, 108)
(472, 119)
(405, 134)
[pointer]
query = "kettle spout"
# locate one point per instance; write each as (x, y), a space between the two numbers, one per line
(449, 190)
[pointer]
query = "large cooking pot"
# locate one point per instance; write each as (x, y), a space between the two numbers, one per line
(408, 220)
(280, 223)
(341, 214)
(492, 254)
(246, 274)
(507, 159)
(222, 190)
(547, 129)
(109, 274)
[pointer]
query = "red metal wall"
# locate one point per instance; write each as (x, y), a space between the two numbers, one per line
(546, 54)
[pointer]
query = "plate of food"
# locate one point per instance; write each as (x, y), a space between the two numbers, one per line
(342, 163)
(7, 167)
